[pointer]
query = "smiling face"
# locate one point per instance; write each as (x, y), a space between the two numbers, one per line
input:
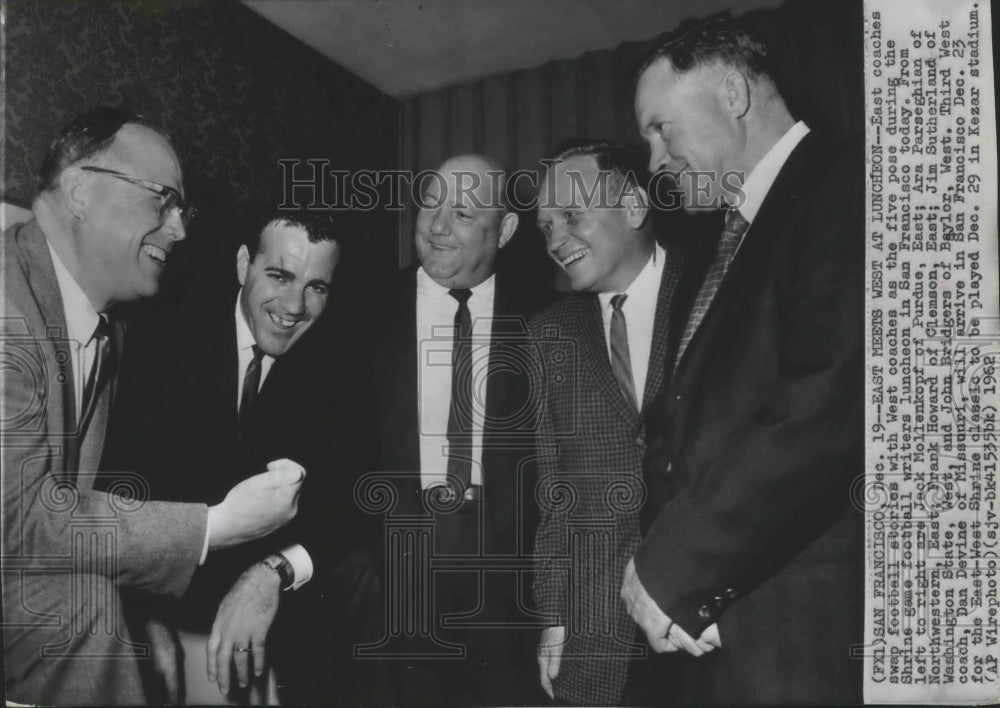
(599, 246)
(691, 125)
(461, 225)
(285, 285)
(122, 244)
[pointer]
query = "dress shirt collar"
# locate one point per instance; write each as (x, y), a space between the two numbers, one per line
(81, 317)
(762, 176)
(432, 291)
(644, 288)
(244, 337)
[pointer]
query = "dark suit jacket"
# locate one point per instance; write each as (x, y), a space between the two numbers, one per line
(156, 545)
(178, 426)
(591, 444)
(753, 449)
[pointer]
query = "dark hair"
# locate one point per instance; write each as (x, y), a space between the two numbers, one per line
(625, 164)
(318, 225)
(716, 38)
(89, 134)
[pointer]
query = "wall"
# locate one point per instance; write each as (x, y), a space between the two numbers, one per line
(235, 92)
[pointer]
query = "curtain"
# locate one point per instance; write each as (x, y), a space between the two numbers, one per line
(519, 117)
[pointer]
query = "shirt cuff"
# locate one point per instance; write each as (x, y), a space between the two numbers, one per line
(302, 565)
(204, 545)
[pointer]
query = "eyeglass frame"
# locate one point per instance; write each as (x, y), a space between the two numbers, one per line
(186, 211)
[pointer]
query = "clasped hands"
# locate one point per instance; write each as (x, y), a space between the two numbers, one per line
(663, 634)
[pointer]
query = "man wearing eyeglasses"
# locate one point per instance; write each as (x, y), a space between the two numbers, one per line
(108, 212)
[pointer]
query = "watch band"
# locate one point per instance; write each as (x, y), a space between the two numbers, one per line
(280, 565)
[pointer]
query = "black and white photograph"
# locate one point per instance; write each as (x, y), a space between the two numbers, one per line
(499, 353)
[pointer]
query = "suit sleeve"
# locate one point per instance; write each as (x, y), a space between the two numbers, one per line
(803, 444)
(47, 519)
(551, 544)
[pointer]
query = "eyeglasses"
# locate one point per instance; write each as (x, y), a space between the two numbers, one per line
(170, 198)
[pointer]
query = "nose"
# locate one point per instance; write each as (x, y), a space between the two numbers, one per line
(659, 158)
(174, 227)
(556, 237)
(293, 301)
(439, 223)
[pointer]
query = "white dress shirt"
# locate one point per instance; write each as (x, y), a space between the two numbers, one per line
(760, 179)
(640, 313)
(81, 321)
(296, 555)
(435, 331)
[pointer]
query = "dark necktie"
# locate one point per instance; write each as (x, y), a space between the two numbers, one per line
(460, 409)
(101, 368)
(251, 382)
(733, 232)
(621, 360)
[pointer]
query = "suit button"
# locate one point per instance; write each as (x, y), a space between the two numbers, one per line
(678, 397)
(731, 593)
(719, 601)
(704, 612)
(640, 442)
(670, 466)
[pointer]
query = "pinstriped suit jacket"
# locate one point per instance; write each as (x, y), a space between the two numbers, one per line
(591, 445)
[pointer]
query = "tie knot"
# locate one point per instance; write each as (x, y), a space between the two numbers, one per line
(617, 301)
(735, 223)
(103, 329)
(461, 294)
(258, 354)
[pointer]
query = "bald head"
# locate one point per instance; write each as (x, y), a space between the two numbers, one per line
(463, 221)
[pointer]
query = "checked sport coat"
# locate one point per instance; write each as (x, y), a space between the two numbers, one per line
(591, 444)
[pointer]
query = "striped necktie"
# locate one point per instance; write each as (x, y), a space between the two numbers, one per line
(733, 232)
(621, 360)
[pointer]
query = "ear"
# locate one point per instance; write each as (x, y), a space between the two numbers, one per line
(75, 191)
(737, 93)
(242, 263)
(636, 204)
(508, 225)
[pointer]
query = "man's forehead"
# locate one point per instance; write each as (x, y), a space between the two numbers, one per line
(287, 244)
(466, 182)
(149, 154)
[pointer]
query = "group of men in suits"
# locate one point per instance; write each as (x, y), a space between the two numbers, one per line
(666, 452)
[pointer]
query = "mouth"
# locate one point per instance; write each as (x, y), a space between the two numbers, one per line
(440, 246)
(573, 257)
(155, 254)
(282, 322)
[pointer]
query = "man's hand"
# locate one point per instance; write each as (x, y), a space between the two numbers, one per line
(242, 622)
(256, 506)
(550, 649)
(168, 657)
(662, 633)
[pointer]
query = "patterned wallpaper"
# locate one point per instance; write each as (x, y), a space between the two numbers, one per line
(235, 92)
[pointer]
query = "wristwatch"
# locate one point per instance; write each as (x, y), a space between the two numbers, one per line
(280, 565)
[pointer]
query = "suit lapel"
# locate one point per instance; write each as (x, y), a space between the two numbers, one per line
(40, 276)
(661, 329)
(758, 242)
(594, 355)
(505, 322)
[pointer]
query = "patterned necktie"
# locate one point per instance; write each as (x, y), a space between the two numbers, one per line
(733, 232)
(251, 383)
(460, 408)
(101, 368)
(621, 361)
